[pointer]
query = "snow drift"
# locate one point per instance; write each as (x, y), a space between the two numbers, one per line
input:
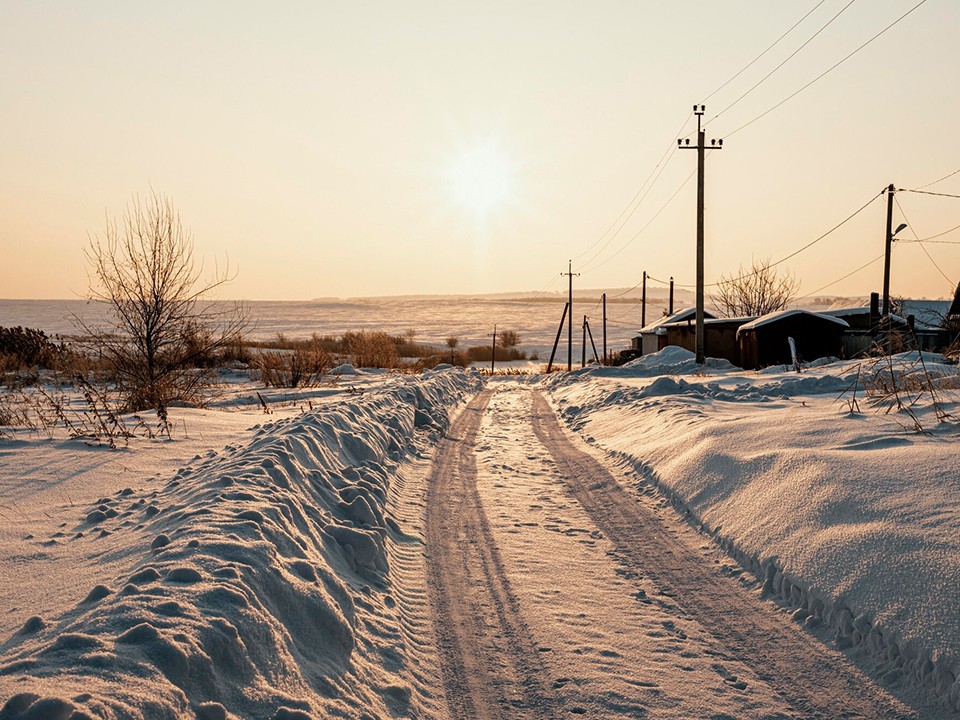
(262, 586)
(850, 518)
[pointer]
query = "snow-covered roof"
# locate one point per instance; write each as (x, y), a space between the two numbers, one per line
(926, 312)
(781, 314)
(678, 316)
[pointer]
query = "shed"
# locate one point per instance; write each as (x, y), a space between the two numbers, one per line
(653, 336)
(764, 341)
(719, 336)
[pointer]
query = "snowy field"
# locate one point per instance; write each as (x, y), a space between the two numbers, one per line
(851, 518)
(287, 565)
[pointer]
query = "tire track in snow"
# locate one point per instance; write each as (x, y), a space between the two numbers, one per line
(491, 665)
(817, 681)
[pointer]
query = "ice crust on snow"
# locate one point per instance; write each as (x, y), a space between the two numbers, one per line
(848, 518)
(265, 589)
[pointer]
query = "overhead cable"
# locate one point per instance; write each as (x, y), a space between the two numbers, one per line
(827, 71)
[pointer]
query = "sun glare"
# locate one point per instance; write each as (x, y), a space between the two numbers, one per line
(482, 179)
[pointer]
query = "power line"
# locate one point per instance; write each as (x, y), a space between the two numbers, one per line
(785, 61)
(750, 64)
(798, 251)
(849, 274)
(928, 192)
(949, 175)
(664, 159)
(920, 242)
(939, 234)
(827, 71)
(640, 231)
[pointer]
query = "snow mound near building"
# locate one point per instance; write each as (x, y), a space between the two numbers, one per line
(262, 587)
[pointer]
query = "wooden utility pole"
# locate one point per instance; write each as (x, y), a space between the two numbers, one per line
(670, 310)
(583, 344)
(556, 341)
(569, 273)
(493, 350)
(592, 343)
(643, 302)
(891, 190)
(605, 361)
(701, 148)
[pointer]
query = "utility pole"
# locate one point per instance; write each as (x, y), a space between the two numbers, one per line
(891, 190)
(643, 302)
(605, 329)
(583, 345)
(493, 350)
(670, 311)
(569, 273)
(553, 353)
(701, 148)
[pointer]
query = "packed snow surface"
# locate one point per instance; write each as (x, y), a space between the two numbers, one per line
(251, 582)
(836, 500)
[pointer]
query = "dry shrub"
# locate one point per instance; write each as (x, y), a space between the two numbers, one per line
(370, 349)
(304, 367)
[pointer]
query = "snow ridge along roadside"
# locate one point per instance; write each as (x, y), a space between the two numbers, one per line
(263, 588)
(847, 518)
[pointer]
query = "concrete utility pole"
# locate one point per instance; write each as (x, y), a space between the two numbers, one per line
(670, 307)
(643, 302)
(701, 148)
(569, 273)
(891, 191)
(605, 328)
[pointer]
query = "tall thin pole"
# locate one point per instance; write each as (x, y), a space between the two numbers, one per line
(583, 344)
(670, 311)
(605, 362)
(493, 350)
(887, 248)
(569, 273)
(701, 148)
(643, 302)
(553, 353)
(596, 357)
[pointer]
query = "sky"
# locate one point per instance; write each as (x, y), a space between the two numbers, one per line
(383, 148)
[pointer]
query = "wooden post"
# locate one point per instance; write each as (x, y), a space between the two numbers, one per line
(556, 342)
(605, 359)
(493, 350)
(583, 344)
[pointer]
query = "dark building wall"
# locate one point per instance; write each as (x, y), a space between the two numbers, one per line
(719, 339)
(767, 345)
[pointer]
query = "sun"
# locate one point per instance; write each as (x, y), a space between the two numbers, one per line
(481, 179)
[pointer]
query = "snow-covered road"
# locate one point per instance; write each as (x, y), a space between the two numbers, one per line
(558, 591)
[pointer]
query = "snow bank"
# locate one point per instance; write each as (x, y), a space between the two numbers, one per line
(847, 517)
(260, 587)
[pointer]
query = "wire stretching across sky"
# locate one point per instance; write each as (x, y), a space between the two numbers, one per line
(920, 242)
(771, 47)
(785, 60)
(640, 231)
(827, 71)
(796, 252)
(840, 279)
(634, 202)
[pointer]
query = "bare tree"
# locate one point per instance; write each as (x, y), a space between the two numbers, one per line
(756, 291)
(163, 326)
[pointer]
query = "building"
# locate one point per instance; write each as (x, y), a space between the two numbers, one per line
(719, 336)
(766, 340)
(653, 336)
